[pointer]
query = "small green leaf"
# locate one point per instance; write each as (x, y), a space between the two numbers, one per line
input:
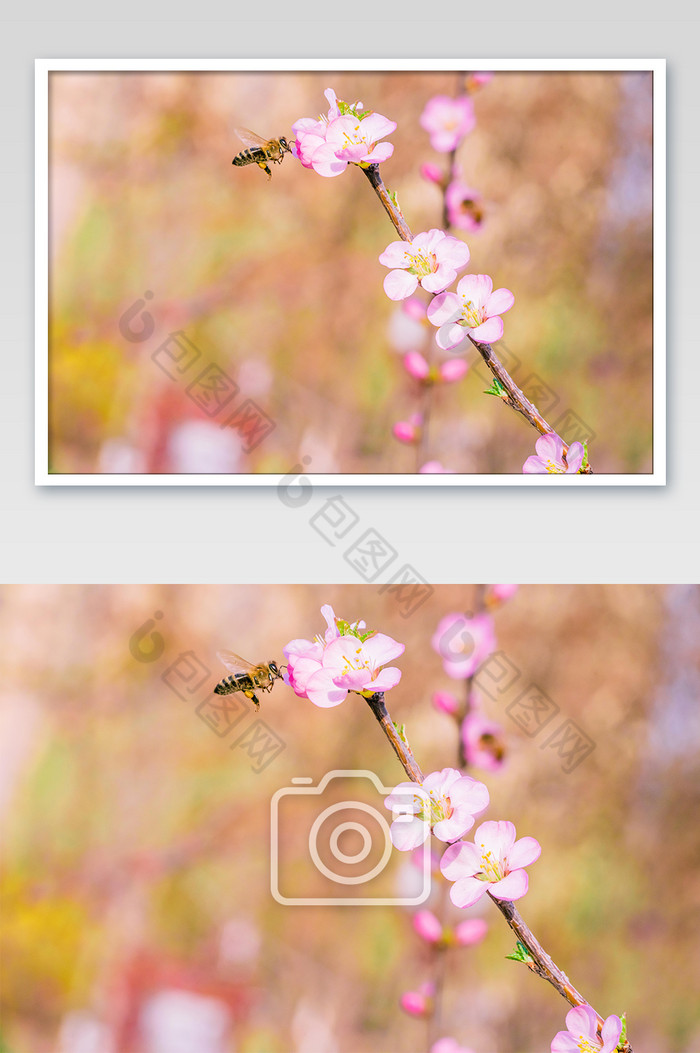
(584, 462)
(401, 732)
(520, 954)
(496, 389)
(346, 629)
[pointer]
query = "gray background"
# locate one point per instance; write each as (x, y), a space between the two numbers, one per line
(218, 534)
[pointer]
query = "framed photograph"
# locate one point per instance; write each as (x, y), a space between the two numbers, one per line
(369, 272)
(271, 850)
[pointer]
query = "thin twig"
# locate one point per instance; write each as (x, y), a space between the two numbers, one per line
(400, 746)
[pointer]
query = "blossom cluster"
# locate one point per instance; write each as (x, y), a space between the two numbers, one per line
(345, 658)
(348, 134)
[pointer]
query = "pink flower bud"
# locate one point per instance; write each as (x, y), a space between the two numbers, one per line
(416, 365)
(413, 1003)
(453, 370)
(405, 432)
(500, 593)
(418, 1003)
(475, 81)
(414, 309)
(432, 173)
(471, 931)
(427, 926)
(445, 702)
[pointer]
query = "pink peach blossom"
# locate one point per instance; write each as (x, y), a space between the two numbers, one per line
(428, 926)
(304, 656)
(482, 741)
(350, 664)
(581, 1035)
(346, 135)
(475, 309)
(464, 642)
(445, 702)
(446, 802)
(310, 134)
(432, 259)
(353, 139)
(493, 863)
(345, 659)
(447, 121)
(549, 459)
(464, 210)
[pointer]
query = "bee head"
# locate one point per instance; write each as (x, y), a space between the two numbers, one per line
(274, 669)
(284, 144)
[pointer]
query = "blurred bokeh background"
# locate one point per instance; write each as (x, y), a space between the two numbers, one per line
(277, 284)
(136, 911)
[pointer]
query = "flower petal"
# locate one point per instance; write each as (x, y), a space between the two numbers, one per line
(550, 447)
(460, 860)
(496, 837)
(476, 287)
(386, 679)
(512, 886)
(450, 829)
(408, 832)
(381, 152)
(439, 279)
(564, 1042)
(489, 331)
(467, 891)
(400, 284)
(525, 851)
(500, 301)
(449, 336)
(381, 648)
(444, 308)
(582, 1021)
(611, 1031)
(321, 690)
(395, 254)
(534, 466)
(574, 458)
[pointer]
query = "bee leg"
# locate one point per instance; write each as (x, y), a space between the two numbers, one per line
(265, 168)
(253, 696)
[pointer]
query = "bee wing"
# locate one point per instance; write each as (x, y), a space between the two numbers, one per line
(250, 139)
(234, 663)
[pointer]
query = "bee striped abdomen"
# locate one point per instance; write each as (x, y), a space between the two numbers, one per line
(230, 684)
(249, 157)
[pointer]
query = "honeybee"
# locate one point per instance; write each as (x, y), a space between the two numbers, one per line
(259, 151)
(246, 677)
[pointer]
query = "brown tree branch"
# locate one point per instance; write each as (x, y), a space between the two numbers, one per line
(542, 964)
(512, 396)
